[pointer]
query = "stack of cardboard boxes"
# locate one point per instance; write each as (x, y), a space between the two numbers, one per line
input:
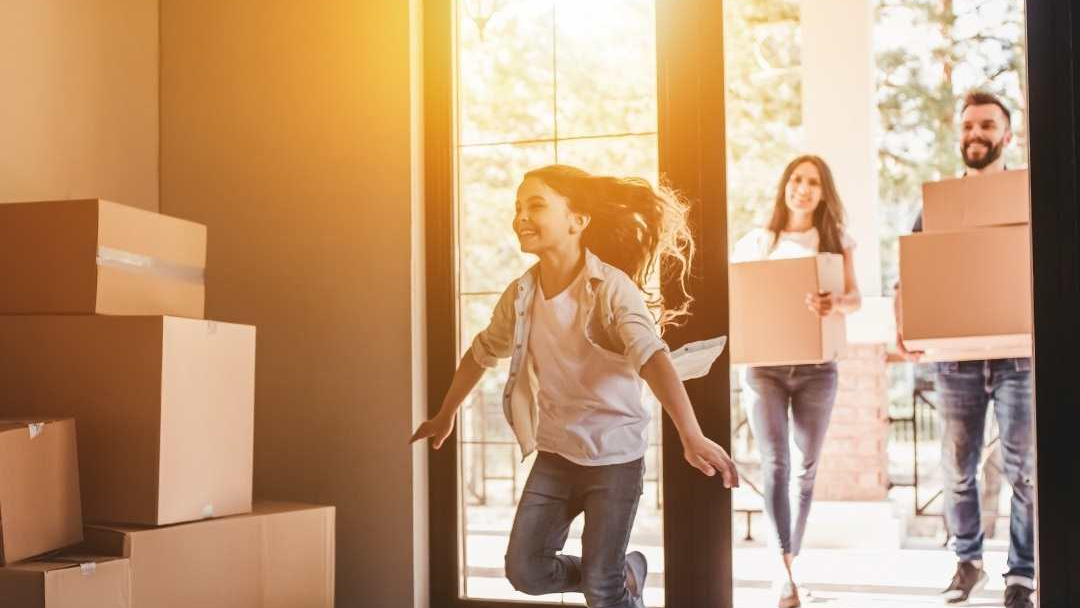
(966, 279)
(101, 322)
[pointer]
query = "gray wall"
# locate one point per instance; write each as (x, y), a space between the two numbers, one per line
(290, 129)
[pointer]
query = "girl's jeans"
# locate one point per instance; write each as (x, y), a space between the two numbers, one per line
(556, 492)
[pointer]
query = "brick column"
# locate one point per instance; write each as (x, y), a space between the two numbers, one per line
(854, 464)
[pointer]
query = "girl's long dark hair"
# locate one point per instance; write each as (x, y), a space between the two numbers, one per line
(829, 215)
(634, 227)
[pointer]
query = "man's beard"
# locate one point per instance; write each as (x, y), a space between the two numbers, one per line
(993, 152)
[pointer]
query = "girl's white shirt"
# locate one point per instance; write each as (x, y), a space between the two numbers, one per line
(590, 399)
(612, 316)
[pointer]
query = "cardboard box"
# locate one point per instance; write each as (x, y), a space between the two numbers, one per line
(770, 322)
(1017, 347)
(279, 556)
(67, 582)
(39, 488)
(977, 201)
(165, 408)
(966, 294)
(93, 256)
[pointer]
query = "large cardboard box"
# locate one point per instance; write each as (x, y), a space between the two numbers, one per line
(39, 488)
(966, 294)
(165, 408)
(770, 322)
(279, 556)
(93, 256)
(934, 351)
(67, 582)
(977, 201)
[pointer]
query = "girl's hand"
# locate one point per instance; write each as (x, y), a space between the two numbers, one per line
(706, 456)
(823, 304)
(438, 429)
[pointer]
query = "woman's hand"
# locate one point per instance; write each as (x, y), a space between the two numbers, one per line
(911, 355)
(823, 304)
(438, 429)
(706, 456)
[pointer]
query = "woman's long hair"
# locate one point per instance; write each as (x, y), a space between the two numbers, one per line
(829, 215)
(633, 227)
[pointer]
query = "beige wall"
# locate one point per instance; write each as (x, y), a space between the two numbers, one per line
(79, 100)
(844, 133)
(288, 128)
(839, 115)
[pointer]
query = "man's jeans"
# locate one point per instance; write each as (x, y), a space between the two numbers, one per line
(965, 390)
(556, 492)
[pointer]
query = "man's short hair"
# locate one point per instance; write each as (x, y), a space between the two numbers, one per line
(985, 98)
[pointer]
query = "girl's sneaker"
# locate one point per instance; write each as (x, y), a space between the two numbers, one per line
(636, 571)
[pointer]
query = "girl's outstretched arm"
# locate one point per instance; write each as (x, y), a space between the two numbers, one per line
(441, 425)
(701, 452)
(494, 343)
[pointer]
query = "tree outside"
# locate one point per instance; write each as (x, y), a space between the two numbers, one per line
(929, 54)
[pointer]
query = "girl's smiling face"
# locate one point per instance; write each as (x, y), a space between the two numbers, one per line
(543, 219)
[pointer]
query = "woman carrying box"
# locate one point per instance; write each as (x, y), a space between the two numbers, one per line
(807, 219)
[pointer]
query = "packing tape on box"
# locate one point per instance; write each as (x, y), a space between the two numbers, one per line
(36, 428)
(135, 262)
(88, 568)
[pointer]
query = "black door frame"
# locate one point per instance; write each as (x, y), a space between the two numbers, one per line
(691, 123)
(1053, 60)
(690, 73)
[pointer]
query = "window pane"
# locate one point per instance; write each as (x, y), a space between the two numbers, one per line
(623, 156)
(507, 71)
(481, 414)
(506, 85)
(490, 175)
(490, 500)
(606, 67)
(763, 103)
